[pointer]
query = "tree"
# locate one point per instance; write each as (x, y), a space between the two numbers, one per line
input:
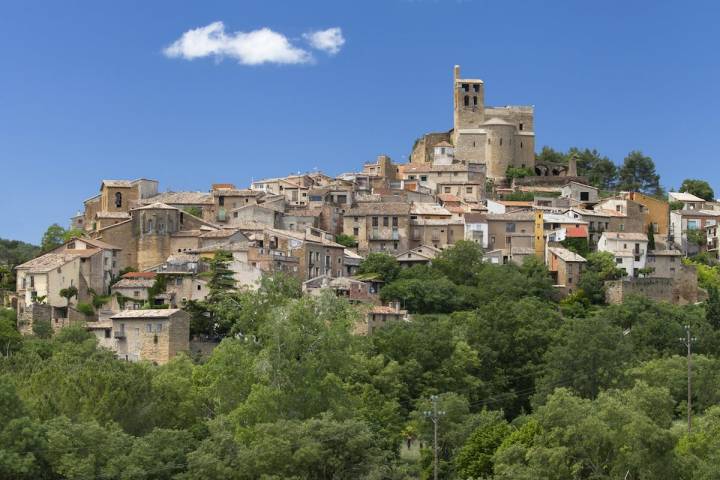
(518, 172)
(600, 171)
(193, 210)
(460, 263)
(712, 307)
(385, 266)
(651, 237)
(53, 237)
(221, 278)
(548, 155)
(637, 174)
(591, 355)
(600, 268)
(10, 338)
(475, 458)
(346, 240)
(42, 328)
(699, 188)
(68, 293)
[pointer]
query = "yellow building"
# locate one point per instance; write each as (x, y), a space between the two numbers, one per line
(657, 214)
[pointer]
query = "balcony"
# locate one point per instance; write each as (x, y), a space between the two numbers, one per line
(384, 235)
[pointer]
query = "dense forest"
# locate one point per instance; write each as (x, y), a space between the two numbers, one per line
(527, 386)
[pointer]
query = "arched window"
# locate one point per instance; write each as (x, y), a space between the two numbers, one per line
(118, 199)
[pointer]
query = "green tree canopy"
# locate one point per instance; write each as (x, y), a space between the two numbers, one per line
(637, 174)
(699, 188)
(382, 264)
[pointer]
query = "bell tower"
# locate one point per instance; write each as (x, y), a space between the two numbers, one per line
(468, 102)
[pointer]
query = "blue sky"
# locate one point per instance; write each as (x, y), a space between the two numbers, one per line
(86, 92)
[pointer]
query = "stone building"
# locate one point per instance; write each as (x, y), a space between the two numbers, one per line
(565, 267)
(498, 137)
(657, 213)
(379, 226)
(422, 255)
(688, 227)
(381, 316)
(86, 264)
(629, 250)
(155, 336)
(431, 224)
(114, 202)
(631, 216)
(151, 234)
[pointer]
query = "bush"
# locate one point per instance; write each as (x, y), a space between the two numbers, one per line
(85, 308)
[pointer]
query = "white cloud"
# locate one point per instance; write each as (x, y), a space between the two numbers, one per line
(249, 48)
(330, 40)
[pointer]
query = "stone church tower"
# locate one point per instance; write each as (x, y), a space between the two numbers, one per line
(498, 137)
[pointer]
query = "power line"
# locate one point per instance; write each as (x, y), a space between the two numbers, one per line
(688, 341)
(435, 415)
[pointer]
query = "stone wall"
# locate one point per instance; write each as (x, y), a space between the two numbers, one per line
(680, 290)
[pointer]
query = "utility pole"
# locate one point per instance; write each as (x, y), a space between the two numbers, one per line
(688, 341)
(435, 415)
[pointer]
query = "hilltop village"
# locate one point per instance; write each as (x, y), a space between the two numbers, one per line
(318, 229)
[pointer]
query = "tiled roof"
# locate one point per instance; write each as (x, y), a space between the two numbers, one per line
(522, 216)
(120, 215)
(576, 232)
(448, 197)
(629, 236)
(155, 206)
(428, 167)
(48, 262)
(473, 217)
(118, 183)
(684, 197)
(378, 208)
(97, 243)
(180, 198)
(697, 213)
(134, 283)
(139, 275)
(140, 314)
(222, 233)
(566, 255)
(428, 209)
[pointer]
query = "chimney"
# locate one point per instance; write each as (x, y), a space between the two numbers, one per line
(456, 72)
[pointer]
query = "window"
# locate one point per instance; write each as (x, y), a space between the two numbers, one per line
(355, 219)
(474, 100)
(476, 87)
(394, 221)
(467, 101)
(465, 87)
(118, 199)
(492, 239)
(148, 328)
(501, 141)
(622, 227)
(521, 144)
(510, 227)
(468, 189)
(158, 327)
(447, 189)
(374, 221)
(136, 293)
(356, 231)
(386, 221)
(423, 178)
(107, 333)
(221, 201)
(618, 261)
(521, 127)
(584, 196)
